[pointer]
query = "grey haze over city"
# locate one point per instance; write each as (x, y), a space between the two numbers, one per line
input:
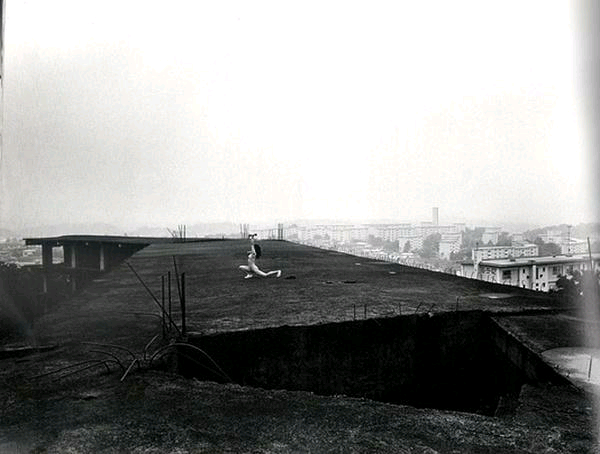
(157, 114)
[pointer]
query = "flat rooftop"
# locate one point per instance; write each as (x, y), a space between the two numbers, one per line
(515, 246)
(154, 411)
(316, 286)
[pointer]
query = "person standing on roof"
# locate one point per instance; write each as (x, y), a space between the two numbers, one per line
(252, 269)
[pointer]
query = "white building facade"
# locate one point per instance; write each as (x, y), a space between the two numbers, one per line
(539, 273)
(490, 235)
(449, 244)
(502, 252)
(573, 246)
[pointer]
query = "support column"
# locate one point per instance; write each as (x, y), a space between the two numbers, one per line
(102, 258)
(73, 257)
(46, 255)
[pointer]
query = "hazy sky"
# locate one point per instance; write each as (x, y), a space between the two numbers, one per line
(161, 113)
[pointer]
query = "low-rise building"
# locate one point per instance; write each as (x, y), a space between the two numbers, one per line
(467, 269)
(537, 273)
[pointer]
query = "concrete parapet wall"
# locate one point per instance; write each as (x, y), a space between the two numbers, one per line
(520, 356)
(445, 360)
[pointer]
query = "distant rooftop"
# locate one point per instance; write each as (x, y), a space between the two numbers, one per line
(549, 260)
(505, 247)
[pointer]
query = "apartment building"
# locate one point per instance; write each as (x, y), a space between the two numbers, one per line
(518, 238)
(490, 235)
(400, 232)
(415, 242)
(573, 246)
(567, 244)
(450, 243)
(502, 252)
(393, 232)
(338, 233)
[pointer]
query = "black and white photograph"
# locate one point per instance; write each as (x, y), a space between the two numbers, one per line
(299, 227)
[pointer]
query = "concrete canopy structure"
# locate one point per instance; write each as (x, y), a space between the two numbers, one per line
(87, 255)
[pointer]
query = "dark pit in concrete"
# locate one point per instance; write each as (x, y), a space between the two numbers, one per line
(455, 361)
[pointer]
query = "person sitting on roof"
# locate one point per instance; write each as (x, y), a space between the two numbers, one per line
(252, 269)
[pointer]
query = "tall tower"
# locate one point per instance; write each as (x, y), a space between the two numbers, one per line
(435, 216)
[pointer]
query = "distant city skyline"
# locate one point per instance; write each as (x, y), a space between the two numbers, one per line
(200, 228)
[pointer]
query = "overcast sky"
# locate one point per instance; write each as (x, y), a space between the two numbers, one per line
(160, 113)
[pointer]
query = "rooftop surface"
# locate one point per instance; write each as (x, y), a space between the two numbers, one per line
(152, 411)
(316, 286)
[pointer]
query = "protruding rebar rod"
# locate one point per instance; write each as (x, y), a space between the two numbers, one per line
(112, 355)
(83, 369)
(129, 369)
(137, 314)
(162, 350)
(204, 366)
(177, 278)
(162, 301)
(169, 291)
(70, 366)
(148, 346)
(183, 330)
(98, 344)
(150, 293)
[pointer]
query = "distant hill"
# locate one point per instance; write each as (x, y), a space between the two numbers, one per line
(513, 227)
(580, 231)
(5, 233)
